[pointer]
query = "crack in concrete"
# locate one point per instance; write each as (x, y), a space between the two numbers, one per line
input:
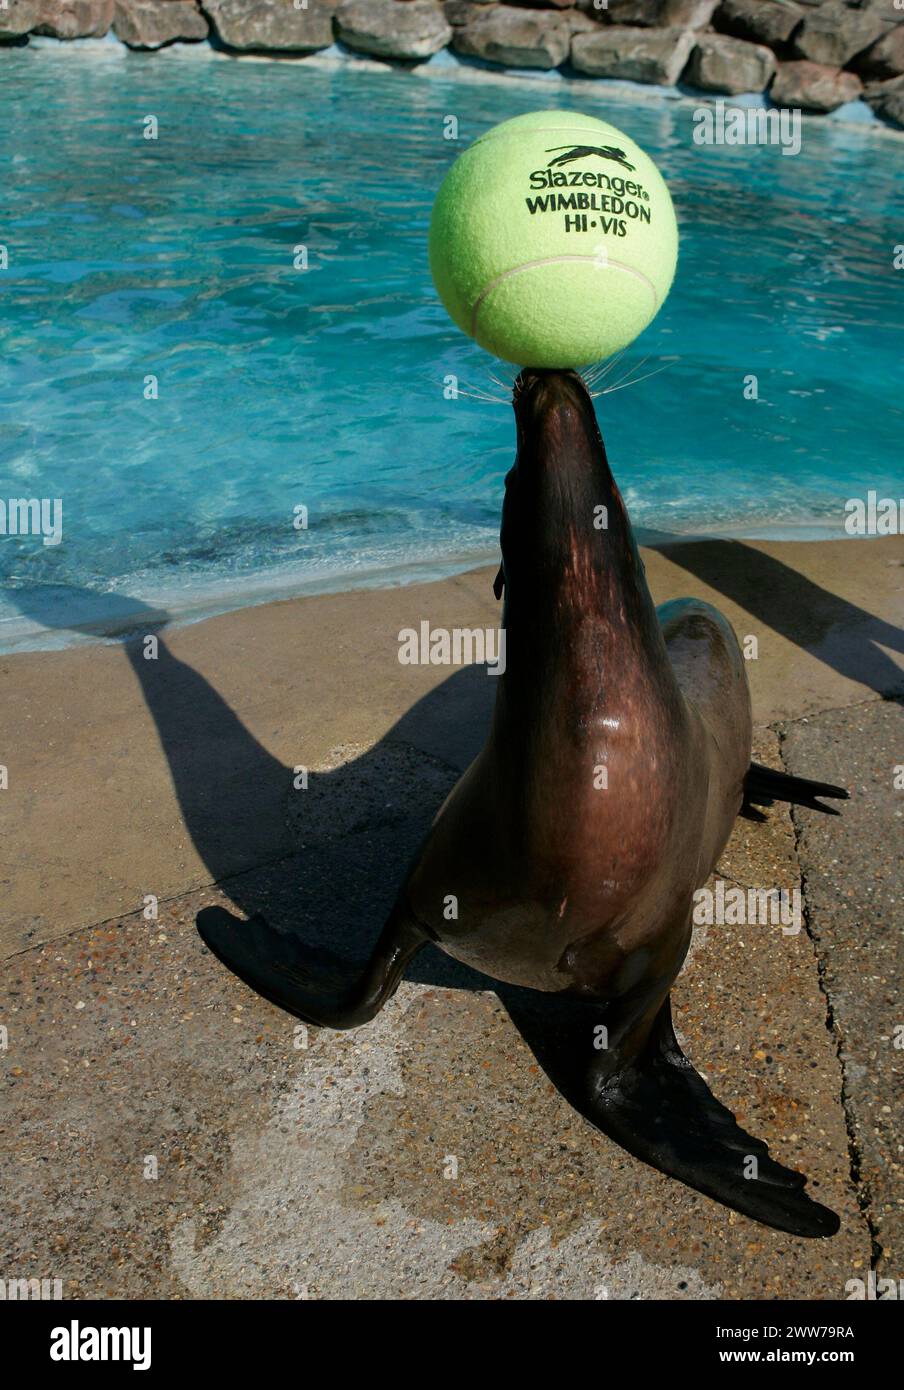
(877, 698)
(859, 1183)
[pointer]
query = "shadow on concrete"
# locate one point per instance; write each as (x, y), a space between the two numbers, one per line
(842, 635)
(323, 862)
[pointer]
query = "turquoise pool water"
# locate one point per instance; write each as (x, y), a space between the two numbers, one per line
(281, 388)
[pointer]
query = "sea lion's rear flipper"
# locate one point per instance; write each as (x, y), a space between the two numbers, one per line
(660, 1110)
(279, 967)
(763, 786)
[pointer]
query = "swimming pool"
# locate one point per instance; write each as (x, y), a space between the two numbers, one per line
(279, 388)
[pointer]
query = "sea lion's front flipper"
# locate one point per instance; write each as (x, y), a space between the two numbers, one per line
(279, 967)
(660, 1110)
(763, 785)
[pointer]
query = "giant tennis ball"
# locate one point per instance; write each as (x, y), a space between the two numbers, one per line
(553, 240)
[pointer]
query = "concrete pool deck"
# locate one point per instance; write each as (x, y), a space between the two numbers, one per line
(169, 1134)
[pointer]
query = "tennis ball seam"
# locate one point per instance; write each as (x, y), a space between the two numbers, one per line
(603, 264)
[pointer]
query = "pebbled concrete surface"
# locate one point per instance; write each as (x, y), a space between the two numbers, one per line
(852, 870)
(425, 1156)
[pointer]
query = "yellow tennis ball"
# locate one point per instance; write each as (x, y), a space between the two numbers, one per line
(553, 240)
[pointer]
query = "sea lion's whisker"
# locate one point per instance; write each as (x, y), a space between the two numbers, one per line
(477, 393)
(483, 397)
(608, 390)
(504, 387)
(592, 374)
(602, 369)
(635, 367)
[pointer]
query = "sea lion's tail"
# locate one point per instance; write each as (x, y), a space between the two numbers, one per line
(280, 968)
(763, 786)
(660, 1110)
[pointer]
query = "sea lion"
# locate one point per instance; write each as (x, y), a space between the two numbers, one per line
(565, 859)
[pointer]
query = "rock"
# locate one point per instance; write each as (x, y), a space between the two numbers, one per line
(885, 58)
(891, 108)
(636, 13)
(888, 11)
(659, 14)
(722, 64)
(833, 34)
(545, 4)
(406, 29)
(814, 86)
(642, 55)
(874, 91)
(686, 14)
(761, 21)
(153, 23)
(19, 17)
(893, 111)
(460, 11)
(887, 99)
(580, 23)
(75, 19)
(516, 37)
(271, 24)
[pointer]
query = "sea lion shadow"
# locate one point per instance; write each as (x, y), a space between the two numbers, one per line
(843, 636)
(322, 861)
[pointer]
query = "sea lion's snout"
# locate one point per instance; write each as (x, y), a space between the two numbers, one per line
(552, 409)
(544, 384)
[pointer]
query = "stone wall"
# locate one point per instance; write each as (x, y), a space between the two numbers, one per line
(811, 54)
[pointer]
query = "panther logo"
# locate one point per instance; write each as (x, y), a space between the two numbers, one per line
(574, 152)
